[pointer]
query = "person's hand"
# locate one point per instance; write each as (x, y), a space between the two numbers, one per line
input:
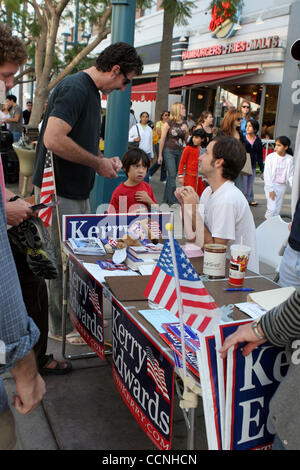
(159, 160)
(30, 391)
(244, 333)
(109, 167)
(137, 139)
(143, 196)
(189, 195)
(17, 211)
(272, 195)
(178, 195)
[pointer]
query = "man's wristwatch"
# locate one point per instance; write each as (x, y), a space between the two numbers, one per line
(254, 326)
(14, 198)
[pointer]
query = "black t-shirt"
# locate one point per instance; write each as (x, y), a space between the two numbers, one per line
(294, 238)
(26, 116)
(75, 100)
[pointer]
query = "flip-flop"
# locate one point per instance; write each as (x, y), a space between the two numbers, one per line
(59, 369)
(254, 203)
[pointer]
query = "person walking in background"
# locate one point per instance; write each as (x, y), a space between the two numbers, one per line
(173, 137)
(245, 110)
(231, 126)
(15, 119)
(158, 128)
(142, 133)
(255, 149)
(27, 112)
(205, 122)
(188, 171)
(279, 170)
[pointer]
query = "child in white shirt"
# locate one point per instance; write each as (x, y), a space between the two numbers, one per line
(279, 170)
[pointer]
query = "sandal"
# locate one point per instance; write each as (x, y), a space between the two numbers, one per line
(254, 203)
(61, 368)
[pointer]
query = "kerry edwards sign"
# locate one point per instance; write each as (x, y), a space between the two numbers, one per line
(108, 225)
(270, 42)
(86, 306)
(144, 377)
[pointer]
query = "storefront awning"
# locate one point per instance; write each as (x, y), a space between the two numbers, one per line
(147, 91)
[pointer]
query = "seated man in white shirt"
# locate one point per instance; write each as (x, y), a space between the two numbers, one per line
(227, 216)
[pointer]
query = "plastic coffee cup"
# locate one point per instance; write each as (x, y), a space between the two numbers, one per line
(239, 256)
(214, 260)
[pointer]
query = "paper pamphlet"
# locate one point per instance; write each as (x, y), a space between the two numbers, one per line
(251, 309)
(268, 299)
(99, 274)
(158, 317)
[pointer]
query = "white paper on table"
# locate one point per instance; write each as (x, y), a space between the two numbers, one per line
(158, 317)
(100, 274)
(146, 269)
(251, 309)
(119, 256)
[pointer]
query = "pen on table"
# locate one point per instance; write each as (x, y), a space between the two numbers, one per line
(238, 289)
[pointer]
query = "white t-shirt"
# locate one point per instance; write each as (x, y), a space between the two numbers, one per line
(227, 215)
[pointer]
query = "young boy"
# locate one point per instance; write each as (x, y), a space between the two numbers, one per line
(135, 195)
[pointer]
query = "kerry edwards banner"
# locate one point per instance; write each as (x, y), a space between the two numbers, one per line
(110, 225)
(144, 377)
(86, 306)
(251, 382)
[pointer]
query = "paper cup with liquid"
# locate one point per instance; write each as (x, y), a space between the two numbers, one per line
(239, 256)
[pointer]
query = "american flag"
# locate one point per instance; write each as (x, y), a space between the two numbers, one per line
(198, 306)
(157, 374)
(46, 191)
(94, 299)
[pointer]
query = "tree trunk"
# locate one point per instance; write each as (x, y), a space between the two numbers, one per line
(163, 79)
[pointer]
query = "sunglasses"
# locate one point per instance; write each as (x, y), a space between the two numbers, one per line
(245, 106)
(239, 119)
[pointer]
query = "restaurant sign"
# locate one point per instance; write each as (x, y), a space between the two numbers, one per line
(270, 42)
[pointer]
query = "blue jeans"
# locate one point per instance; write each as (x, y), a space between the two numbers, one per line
(248, 181)
(172, 159)
(289, 271)
(16, 136)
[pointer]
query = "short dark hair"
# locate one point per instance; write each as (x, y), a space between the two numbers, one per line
(12, 48)
(233, 154)
(254, 124)
(121, 54)
(133, 156)
(12, 98)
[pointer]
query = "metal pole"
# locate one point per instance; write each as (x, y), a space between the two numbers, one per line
(118, 105)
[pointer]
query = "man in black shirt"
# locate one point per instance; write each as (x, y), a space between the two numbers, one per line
(27, 112)
(71, 130)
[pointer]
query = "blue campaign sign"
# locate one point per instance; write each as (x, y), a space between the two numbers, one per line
(207, 359)
(251, 382)
(112, 225)
(144, 376)
(86, 306)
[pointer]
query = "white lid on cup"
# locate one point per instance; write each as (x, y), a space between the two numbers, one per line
(240, 249)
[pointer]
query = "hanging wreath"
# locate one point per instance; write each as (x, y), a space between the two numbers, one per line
(224, 10)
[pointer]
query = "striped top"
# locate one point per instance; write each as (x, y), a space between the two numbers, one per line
(281, 325)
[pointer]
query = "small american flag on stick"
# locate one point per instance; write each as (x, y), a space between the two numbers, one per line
(47, 190)
(198, 306)
(94, 299)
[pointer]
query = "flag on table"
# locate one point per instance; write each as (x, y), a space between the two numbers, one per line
(198, 305)
(47, 190)
(157, 374)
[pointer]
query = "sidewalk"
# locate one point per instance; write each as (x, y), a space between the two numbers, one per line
(84, 410)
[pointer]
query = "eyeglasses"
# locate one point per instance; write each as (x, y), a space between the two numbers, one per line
(245, 106)
(126, 81)
(239, 119)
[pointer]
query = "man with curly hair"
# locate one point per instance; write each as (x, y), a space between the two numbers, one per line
(12, 55)
(71, 130)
